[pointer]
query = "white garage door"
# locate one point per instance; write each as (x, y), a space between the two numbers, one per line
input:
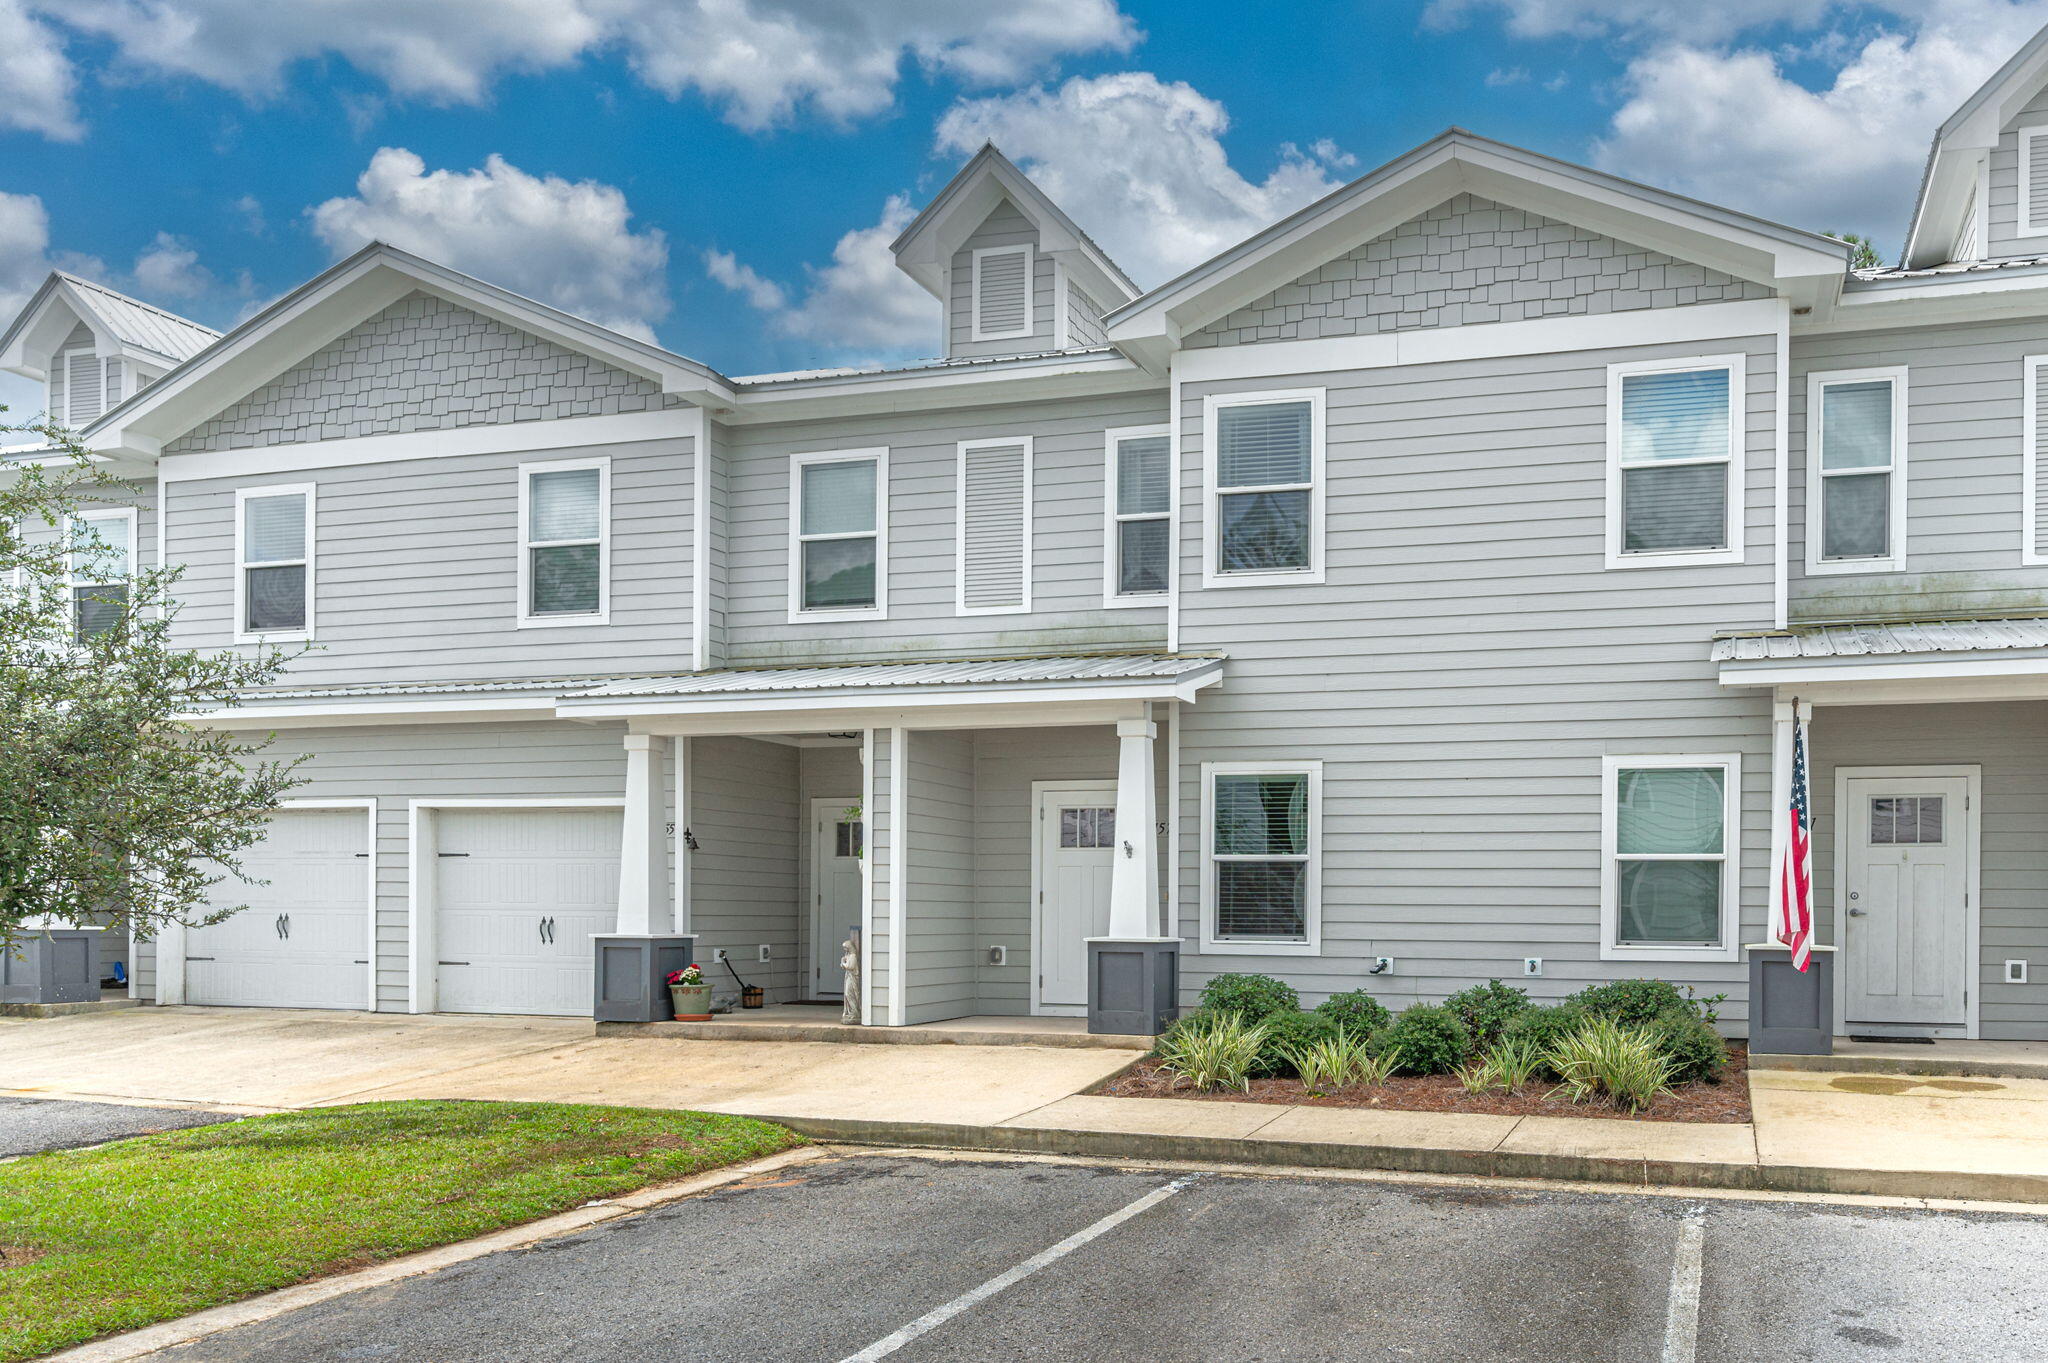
(518, 894)
(303, 942)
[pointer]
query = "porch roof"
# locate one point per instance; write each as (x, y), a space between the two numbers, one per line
(947, 672)
(1881, 661)
(1866, 638)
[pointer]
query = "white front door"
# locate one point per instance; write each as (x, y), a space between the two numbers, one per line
(1076, 851)
(304, 939)
(1906, 845)
(836, 889)
(518, 894)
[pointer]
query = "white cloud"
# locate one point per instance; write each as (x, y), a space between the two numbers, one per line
(1507, 75)
(1633, 18)
(567, 243)
(1169, 197)
(24, 250)
(169, 266)
(861, 303)
(251, 210)
(725, 268)
(1732, 128)
(38, 88)
(761, 61)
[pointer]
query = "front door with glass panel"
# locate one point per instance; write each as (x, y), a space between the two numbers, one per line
(1904, 900)
(1076, 856)
(836, 849)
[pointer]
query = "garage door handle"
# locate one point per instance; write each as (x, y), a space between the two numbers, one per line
(451, 854)
(199, 958)
(277, 926)
(287, 927)
(438, 962)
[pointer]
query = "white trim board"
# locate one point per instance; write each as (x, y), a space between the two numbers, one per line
(1973, 910)
(420, 848)
(1491, 340)
(519, 437)
(1105, 791)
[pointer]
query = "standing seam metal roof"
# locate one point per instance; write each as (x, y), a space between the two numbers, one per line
(1877, 638)
(139, 324)
(960, 672)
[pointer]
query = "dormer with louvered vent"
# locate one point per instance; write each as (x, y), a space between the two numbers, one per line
(91, 347)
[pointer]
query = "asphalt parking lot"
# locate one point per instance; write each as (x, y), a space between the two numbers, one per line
(31, 1125)
(870, 1256)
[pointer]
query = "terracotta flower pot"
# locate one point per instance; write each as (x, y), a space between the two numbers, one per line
(692, 1002)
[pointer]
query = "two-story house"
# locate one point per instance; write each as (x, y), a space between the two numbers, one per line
(1418, 592)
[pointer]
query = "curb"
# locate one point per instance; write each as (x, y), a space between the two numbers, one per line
(1633, 1173)
(869, 1036)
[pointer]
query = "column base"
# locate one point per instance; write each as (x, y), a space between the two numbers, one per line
(632, 974)
(1791, 1012)
(55, 965)
(1133, 985)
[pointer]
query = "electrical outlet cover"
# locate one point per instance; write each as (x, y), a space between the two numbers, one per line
(766, 954)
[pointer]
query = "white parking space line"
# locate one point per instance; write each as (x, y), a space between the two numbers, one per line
(1682, 1316)
(933, 1319)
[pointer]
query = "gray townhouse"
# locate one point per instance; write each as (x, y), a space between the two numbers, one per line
(1421, 591)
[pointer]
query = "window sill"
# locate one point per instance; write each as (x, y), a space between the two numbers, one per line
(1215, 948)
(1618, 953)
(1151, 600)
(826, 617)
(1676, 559)
(563, 621)
(300, 636)
(1840, 567)
(1275, 578)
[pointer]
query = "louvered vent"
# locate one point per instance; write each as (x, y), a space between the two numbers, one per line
(1002, 293)
(2037, 393)
(82, 388)
(2034, 183)
(113, 383)
(995, 534)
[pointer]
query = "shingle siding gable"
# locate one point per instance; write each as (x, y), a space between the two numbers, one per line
(1471, 260)
(422, 364)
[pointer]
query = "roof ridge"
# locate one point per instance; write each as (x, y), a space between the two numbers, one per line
(112, 292)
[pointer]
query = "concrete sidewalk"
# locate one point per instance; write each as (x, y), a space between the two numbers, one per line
(1900, 1136)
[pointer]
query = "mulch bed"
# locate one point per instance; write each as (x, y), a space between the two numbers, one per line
(1727, 1101)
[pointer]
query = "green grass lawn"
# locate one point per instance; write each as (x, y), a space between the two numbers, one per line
(96, 1241)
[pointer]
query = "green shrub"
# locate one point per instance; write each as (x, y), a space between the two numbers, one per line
(1542, 1028)
(1633, 1002)
(1252, 997)
(1357, 1012)
(1287, 1034)
(1695, 1050)
(1606, 1058)
(1211, 1051)
(1487, 1009)
(1427, 1038)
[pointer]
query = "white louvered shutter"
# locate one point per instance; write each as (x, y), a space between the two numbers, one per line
(113, 390)
(2033, 183)
(1002, 294)
(995, 530)
(2038, 391)
(82, 388)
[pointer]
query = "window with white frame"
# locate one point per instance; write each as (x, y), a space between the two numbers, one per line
(564, 530)
(838, 531)
(1674, 461)
(1001, 300)
(101, 559)
(1670, 826)
(1139, 507)
(1856, 471)
(1264, 476)
(274, 538)
(1261, 855)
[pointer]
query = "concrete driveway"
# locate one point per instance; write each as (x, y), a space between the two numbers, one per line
(872, 1256)
(275, 1058)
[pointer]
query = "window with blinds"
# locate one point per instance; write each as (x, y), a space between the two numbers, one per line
(1140, 515)
(565, 517)
(1001, 290)
(276, 539)
(838, 533)
(101, 560)
(1668, 823)
(1265, 465)
(1261, 850)
(1856, 471)
(1675, 432)
(994, 558)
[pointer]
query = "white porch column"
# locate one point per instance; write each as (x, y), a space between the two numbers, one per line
(681, 839)
(1134, 875)
(643, 851)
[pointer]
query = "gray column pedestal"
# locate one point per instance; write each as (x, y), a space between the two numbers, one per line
(1791, 1012)
(56, 965)
(1133, 985)
(632, 973)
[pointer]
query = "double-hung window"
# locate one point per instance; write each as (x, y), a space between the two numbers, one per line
(1856, 471)
(839, 535)
(1261, 857)
(1139, 508)
(101, 555)
(565, 542)
(1670, 828)
(1264, 483)
(274, 552)
(1674, 456)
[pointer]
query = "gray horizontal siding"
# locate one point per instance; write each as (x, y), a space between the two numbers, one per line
(940, 878)
(746, 817)
(1465, 668)
(1067, 536)
(2002, 225)
(416, 568)
(1964, 389)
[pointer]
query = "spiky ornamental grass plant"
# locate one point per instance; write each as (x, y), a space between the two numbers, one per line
(113, 808)
(1212, 1051)
(1606, 1058)
(1337, 1060)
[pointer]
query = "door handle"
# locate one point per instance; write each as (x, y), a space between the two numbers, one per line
(1858, 913)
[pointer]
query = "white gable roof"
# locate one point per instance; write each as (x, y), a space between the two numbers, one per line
(123, 326)
(1961, 146)
(926, 247)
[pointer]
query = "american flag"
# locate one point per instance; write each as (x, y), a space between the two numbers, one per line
(1795, 877)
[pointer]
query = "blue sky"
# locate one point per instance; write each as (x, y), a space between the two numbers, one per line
(724, 174)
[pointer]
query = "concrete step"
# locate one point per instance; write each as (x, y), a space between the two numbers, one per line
(1983, 1059)
(61, 1010)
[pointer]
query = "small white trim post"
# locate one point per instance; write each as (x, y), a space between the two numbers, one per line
(643, 850)
(1134, 873)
